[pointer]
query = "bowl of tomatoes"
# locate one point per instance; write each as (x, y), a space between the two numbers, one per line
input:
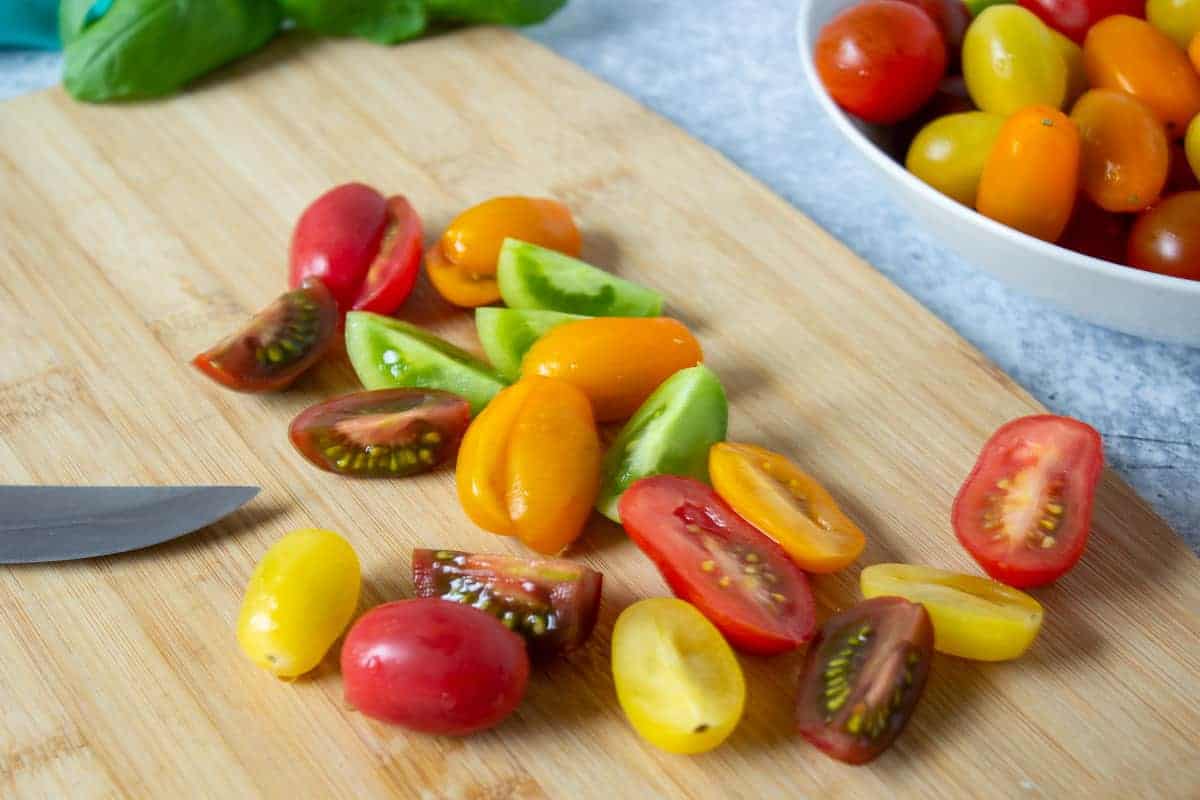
(1054, 144)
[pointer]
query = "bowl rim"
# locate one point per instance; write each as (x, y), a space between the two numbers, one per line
(841, 120)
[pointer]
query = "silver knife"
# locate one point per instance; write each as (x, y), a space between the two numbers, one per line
(60, 523)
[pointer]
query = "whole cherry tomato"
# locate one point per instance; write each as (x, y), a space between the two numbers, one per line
(1011, 60)
(1133, 56)
(1193, 50)
(1179, 19)
(1074, 17)
(952, 19)
(949, 153)
(1077, 80)
(1030, 178)
(1095, 232)
(1180, 177)
(1124, 152)
(529, 465)
(1166, 239)
(1191, 145)
(881, 60)
(462, 265)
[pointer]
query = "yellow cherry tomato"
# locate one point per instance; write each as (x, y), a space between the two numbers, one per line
(677, 679)
(299, 601)
(1011, 61)
(973, 617)
(1191, 144)
(949, 153)
(1077, 80)
(787, 504)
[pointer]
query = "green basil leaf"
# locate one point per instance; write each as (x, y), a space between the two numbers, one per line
(493, 12)
(383, 21)
(146, 48)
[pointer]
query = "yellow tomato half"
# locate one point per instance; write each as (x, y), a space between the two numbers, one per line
(972, 617)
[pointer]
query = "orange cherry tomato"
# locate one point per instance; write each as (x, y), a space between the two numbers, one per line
(787, 504)
(1131, 55)
(617, 361)
(529, 465)
(462, 265)
(1194, 51)
(1124, 150)
(1031, 175)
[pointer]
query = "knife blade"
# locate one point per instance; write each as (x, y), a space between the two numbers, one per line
(62, 523)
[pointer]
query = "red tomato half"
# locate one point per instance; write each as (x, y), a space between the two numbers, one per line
(365, 248)
(1072, 18)
(388, 433)
(711, 557)
(281, 342)
(434, 666)
(1025, 511)
(881, 60)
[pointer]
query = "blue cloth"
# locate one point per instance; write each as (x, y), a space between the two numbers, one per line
(29, 24)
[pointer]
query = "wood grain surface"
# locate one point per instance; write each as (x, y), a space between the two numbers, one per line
(132, 237)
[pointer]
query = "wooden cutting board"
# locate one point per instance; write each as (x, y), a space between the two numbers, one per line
(133, 237)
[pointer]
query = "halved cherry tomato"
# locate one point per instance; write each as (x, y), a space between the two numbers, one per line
(711, 557)
(388, 433)
(462, 264)
(281, 342)
(863, 676)
(1133, 56)
(1166, 239)
(677, 680)
(1025, 511)
(1073, 18)
(552, 603)
(434, 666)
(1030, 178)
(1124, 151)
(1095, 232)
(364, 248)
(787, 504)
(529, 465)
(595, 355)
(881, 60)
(972, 617)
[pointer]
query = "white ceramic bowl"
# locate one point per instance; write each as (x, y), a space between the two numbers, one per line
(1125, 299)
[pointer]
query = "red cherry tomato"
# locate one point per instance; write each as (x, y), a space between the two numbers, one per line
(1072, 18)
(881, 60)
(1166, 239)
(1180, 176)
(1025, 511)
(277, 345)
(365, 248)
(434, 666)
(740, 579)
(952, 19)
(1095, 232)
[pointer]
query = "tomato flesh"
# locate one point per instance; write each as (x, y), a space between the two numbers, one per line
(709, 556)
(434, 666)
(863, 676)
(1025, 511)
(366, 249)
(387, 433)
(277, 345)
(552, 603)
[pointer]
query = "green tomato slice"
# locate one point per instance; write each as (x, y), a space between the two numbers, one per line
(534, 277)
(669, 435)
(389, 354)
(508, 333)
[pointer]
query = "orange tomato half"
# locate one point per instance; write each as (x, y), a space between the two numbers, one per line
(617, 361)
(787, 504)
(529, 465)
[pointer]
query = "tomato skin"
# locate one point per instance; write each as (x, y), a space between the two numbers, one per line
(1178, 19)
(278, 345)
(1029, 181)
(1124, 151)
(1166, 239)
(1073, 18)
(1191, 144)
(593, 354)
(1077, 80)
(950, 152)
(881, 60)
(678, 682)
(1025, 511)
(386, 433)
(1011, 61)
(300, 598)
(695, 539)
(1193, 51)
(434, 666)
(1095, 232)
(952, 19)
(1132, 56)
(878, 650)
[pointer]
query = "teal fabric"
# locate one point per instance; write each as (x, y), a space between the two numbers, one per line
(29, 23)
